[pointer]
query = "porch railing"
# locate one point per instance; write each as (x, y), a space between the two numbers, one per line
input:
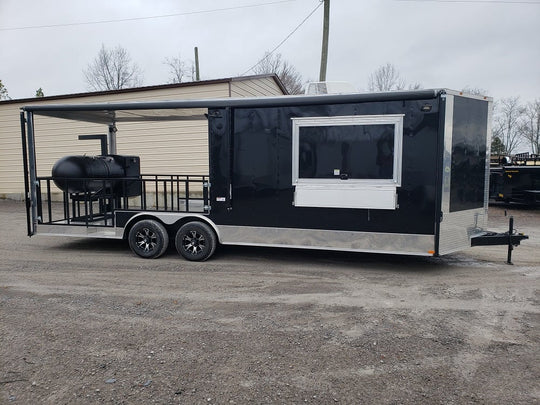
(93, 201)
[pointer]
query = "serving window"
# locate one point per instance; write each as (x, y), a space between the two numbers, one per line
(347, 161)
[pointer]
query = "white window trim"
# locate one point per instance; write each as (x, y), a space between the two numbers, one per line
(351, 193)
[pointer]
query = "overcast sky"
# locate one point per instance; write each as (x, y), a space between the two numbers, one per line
(488, 44)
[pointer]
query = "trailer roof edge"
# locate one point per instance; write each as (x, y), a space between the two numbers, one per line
(239, 102)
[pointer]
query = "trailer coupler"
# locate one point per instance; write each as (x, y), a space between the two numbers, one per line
(509, 238)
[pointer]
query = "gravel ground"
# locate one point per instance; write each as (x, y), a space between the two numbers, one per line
(85, 321)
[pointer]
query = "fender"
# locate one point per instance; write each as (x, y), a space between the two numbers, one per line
(169, 218)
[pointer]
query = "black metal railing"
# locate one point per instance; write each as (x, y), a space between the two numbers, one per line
(93, 201)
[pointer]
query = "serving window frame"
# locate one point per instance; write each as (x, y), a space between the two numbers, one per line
(344, 192)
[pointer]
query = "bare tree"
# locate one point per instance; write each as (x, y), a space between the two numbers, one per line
(508, 116)
(3, 92)
(112, 69)
(386, 78)
(287, 73)
(530, 127)
(475, 91)
(415, 86)
(179, 69)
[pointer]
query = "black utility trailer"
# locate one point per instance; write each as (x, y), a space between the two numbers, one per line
(516, 180)
(397, 172)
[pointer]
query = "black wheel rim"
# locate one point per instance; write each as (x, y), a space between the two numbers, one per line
(146, 240)
(193, 242)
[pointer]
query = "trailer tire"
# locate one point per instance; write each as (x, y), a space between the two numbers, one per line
(148, 239)
(196, 241)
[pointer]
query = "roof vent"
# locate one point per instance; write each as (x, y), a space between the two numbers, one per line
(330, 88)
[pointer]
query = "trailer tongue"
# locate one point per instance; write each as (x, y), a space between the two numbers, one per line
(509, 238)
(398, 172)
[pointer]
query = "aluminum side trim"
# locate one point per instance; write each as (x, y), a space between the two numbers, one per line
(408, 244)
(80, 231)
(467, 95)
(459, 227)
(488, 157)
(447, 154)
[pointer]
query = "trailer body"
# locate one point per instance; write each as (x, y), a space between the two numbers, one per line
(399, 172)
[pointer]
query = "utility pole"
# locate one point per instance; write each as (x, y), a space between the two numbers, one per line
(197, 75)
(324, 53)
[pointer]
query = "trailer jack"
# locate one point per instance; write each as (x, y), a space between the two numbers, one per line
(509, 238)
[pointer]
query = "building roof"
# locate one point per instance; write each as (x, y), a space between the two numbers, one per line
(149, 88)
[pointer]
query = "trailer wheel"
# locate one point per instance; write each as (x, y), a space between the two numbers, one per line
(196, 241)
(148, 239)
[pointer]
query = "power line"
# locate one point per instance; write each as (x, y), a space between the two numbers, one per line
(475, 1)
(286, 38)
(146, 18)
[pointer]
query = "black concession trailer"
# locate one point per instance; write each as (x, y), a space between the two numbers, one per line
(397, 172)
